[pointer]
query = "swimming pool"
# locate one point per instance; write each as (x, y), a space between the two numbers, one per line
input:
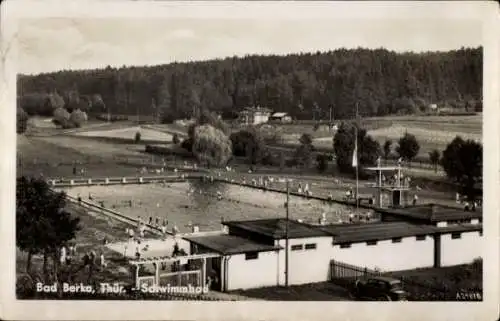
(205, 204)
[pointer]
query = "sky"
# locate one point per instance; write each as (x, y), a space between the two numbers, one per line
(51, 44)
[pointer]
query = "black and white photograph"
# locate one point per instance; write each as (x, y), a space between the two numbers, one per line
(252, 151)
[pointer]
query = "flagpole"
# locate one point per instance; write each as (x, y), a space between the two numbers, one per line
(357, 160)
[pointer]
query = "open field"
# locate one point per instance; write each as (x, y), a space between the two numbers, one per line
(129, 133)
(432, 132)
(184, 204)
(55, 157)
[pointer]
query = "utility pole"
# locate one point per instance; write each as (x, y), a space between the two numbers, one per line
(286, 230)
(330, 124)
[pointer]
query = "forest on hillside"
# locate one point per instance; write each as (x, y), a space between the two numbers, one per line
(305, 85)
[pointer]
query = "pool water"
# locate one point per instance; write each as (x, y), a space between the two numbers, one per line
(205, 204)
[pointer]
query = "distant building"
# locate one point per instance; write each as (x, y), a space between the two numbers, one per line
(254, 115)
(280, 118)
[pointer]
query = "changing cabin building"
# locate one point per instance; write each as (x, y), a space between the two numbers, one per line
(254, 253)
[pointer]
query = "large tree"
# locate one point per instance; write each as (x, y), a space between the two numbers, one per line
(408, 147)
(211, 146)
(343, 146)
(387, 148)
(434, 157)
(61, 117)
(43, 225)
(248, 143)
(304, 153)
(462, 160)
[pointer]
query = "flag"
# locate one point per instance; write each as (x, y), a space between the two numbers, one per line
(355, 153)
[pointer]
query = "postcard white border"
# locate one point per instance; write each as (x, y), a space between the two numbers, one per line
(10, 308)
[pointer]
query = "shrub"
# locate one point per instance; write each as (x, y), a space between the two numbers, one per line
(187, 144)
(322, 162)
(137, 137)
(78, 118)
(269, 159)
(175, 139)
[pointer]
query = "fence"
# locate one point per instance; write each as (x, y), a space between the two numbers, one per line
(183, 278)
(340, 270)
(148, 280)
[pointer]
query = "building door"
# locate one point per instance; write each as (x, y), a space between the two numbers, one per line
(214, 272)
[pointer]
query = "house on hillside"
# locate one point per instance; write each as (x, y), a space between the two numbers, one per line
(280, 117)
(254, 115)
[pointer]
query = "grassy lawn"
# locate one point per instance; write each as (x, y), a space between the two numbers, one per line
(323, 291)
(467, 278)
(45, 156)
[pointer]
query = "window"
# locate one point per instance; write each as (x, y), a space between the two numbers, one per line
(420, 237)
(345, 245)
(371, 243)
(251, 255)
(297, 247)
(396, 240)
(310, 246)
(455, 236)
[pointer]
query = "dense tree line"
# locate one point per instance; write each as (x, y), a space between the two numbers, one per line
(305, 85)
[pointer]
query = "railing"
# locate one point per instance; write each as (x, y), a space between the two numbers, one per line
(181, 278)
(117, 180)
(340, 270)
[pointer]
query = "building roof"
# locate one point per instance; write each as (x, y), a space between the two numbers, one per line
(276, 228)
(459, 228)
(432, 213)
(362, 232)
(230, 244)
(279, 115)
(257, 109)
(349, 233)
